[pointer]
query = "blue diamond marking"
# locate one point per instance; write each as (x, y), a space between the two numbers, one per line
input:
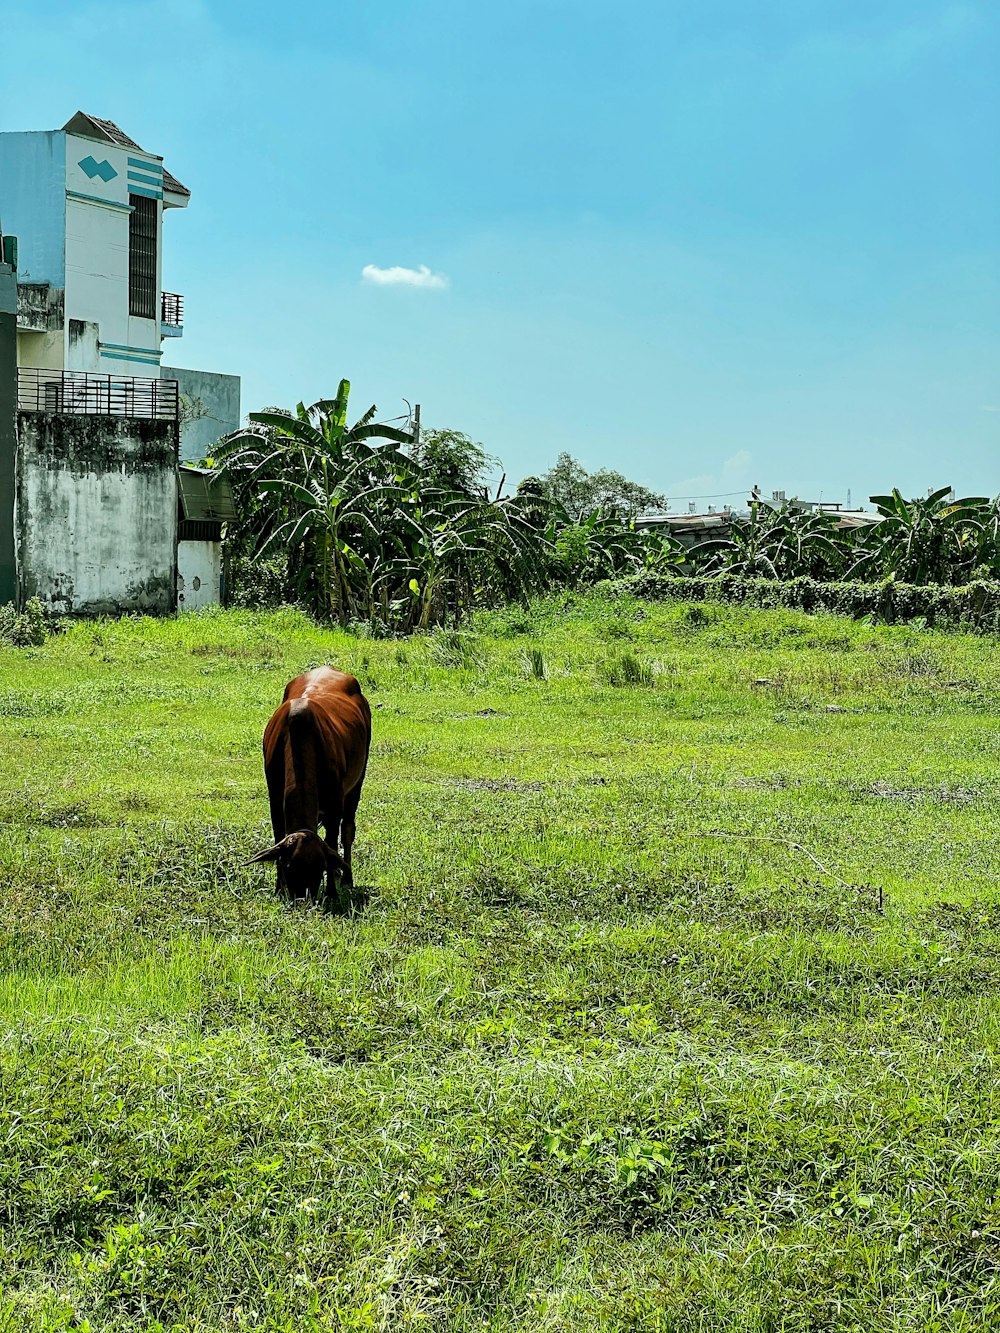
(103, 169)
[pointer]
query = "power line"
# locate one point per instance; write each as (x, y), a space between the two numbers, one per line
(719, 495)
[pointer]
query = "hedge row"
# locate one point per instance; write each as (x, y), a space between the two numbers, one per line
(976, 606)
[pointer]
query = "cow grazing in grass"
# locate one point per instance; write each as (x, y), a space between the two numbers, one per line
(315, 755)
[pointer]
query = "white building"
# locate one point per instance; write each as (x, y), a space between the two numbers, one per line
(86, 205)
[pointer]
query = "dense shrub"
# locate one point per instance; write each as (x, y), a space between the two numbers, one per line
(975, 606)
(259, 585)
(28, 628)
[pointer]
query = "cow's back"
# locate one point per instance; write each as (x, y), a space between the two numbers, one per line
(328, 706)
(323, 682)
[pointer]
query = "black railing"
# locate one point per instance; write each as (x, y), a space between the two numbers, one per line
(171, 309)
(83, 394)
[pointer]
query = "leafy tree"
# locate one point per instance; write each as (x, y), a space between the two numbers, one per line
(400, 533)
(579, 492)
(567, 484)
(614, 493)
(453, 461)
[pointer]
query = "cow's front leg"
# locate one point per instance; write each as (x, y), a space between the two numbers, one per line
(334, 866)
(349, 828)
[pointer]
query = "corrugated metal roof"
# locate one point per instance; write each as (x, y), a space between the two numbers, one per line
(205, 495)
(107, 129)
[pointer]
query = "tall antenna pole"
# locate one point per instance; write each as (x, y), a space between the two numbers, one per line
(416, 425)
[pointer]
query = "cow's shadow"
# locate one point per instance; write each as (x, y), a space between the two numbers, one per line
(346, 900)
(336, 900)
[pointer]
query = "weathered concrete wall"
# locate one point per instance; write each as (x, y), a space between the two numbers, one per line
(8, 438)
(210, 407)
(82, 346)
(199, 574)
(96, 516)
(40, 308)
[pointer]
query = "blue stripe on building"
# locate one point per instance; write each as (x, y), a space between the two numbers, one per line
(124, 347)
(146, 194)
(146, 166)
(130, 356)
(155, 181)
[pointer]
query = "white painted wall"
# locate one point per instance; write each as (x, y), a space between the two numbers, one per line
(82, 345)
(199, 574)
(79, 180)
(97, 276)
(97, 220)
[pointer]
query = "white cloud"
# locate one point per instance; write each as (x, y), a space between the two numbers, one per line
(397, 276)
(727, 479)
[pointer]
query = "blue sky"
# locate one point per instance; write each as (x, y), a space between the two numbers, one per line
(710, 243)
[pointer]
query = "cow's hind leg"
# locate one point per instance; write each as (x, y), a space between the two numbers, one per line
(347, 828)
(330, 819)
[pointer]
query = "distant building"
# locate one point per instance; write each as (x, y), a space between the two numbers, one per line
(690, 529)
(100, 424)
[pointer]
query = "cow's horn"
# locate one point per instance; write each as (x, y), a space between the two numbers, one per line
(268, 854)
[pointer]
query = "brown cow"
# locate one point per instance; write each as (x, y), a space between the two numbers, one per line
(315, 755)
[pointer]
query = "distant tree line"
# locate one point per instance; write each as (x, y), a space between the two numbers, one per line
(366, 522)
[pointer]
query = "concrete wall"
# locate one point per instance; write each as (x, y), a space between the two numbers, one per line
(82, 345)
(8, 437)
(33, 202)
(96, 517)
(199, 575)
(40, 308)
(42, 351)
(210, 407)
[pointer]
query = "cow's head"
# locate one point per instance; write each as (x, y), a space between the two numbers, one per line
(303, 858)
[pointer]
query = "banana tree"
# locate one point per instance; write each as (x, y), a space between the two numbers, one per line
(316, 488)
(602, 546)
(469, 549)
(932, 540)
(342, 514)
(775, 543)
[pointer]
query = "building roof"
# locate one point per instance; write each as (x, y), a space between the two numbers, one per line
(205, 494)
(92, 127)
(692, 525)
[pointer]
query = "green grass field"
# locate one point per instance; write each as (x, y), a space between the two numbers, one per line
(673, 1006)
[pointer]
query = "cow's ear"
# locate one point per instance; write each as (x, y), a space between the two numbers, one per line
(268, 854)
(334, 861)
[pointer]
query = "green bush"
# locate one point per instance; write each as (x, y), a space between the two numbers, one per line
(975, 606)
(256, 585)
(28, 628)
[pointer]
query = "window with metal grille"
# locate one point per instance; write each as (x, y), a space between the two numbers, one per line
(142, 256)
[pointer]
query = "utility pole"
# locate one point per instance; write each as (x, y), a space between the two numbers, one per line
(416, 426)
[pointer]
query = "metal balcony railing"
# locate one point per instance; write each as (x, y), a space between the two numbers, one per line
(82, 394)
(171, 309)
